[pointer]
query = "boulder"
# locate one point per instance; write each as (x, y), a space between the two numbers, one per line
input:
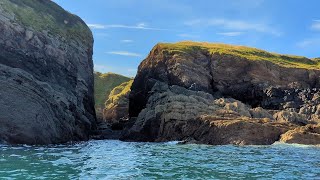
(259, 112)
(46, 74)
(309, 135)
(293, 117)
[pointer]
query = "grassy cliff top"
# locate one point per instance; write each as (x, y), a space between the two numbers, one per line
(242, 51)
(104, 84)
(118, 93)
(45, 15)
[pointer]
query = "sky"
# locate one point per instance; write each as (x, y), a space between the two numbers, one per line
(126, 30)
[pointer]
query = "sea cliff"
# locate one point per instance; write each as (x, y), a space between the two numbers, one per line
(222, 94)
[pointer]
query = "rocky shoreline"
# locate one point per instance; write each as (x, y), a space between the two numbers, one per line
(191, 92)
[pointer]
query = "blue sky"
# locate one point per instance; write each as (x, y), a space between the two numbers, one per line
(126, 30)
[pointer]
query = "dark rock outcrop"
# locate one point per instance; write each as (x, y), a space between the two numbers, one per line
(46, 74)
(175, 113)
(221, 94)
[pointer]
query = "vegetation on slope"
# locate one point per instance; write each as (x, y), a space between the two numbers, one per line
(45, 15)
(104, 84)
(118, 94)
(242, 51)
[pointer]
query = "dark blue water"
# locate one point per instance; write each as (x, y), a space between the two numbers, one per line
(123, 160)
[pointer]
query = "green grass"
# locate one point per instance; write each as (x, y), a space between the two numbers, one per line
(45, 15)
(188, 47)
(104, 84)
(118, 93)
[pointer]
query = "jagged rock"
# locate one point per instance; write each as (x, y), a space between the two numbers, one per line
(175, 113)
(293, 117)
(260, 113)
(309, 134)
(46, 74)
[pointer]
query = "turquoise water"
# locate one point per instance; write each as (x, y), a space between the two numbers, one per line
(123, 160)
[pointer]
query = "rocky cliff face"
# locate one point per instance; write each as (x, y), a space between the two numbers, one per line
(46, 74)
(175, 113)
(282, 89)
(252, 76)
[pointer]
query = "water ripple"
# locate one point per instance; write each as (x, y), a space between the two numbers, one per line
(127, 160)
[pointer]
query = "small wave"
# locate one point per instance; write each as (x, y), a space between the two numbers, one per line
(278, 143)
(173, 142)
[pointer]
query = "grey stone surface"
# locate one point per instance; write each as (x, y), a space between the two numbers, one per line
(46, 81)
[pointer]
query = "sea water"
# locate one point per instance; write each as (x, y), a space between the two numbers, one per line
(108, 159)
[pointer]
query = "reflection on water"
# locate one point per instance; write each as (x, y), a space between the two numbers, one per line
(123, 160)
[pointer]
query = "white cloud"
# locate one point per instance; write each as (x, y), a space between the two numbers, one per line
(188, 36)
(127, 41)
(315, 25)
(96, 26)
(124, 53)
(231, 34)
(141, 26)
(309, 42)
(235, 25)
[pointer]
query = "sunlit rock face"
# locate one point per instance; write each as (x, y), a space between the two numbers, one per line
(272, 94)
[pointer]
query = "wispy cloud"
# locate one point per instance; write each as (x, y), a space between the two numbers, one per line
(192, 36)
(315, 25)
(230, 34)
(140, 26)
(96, 26)
(234, 25)
(124, 53)
(127, 41)
(309, 42)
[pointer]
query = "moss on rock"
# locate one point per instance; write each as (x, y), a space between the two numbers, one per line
(249, 53)
(119, 94)
(45, 15)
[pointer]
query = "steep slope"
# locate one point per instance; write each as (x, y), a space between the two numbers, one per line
(103, 85)
(117, 105)
(276, 93)
(46, 74)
